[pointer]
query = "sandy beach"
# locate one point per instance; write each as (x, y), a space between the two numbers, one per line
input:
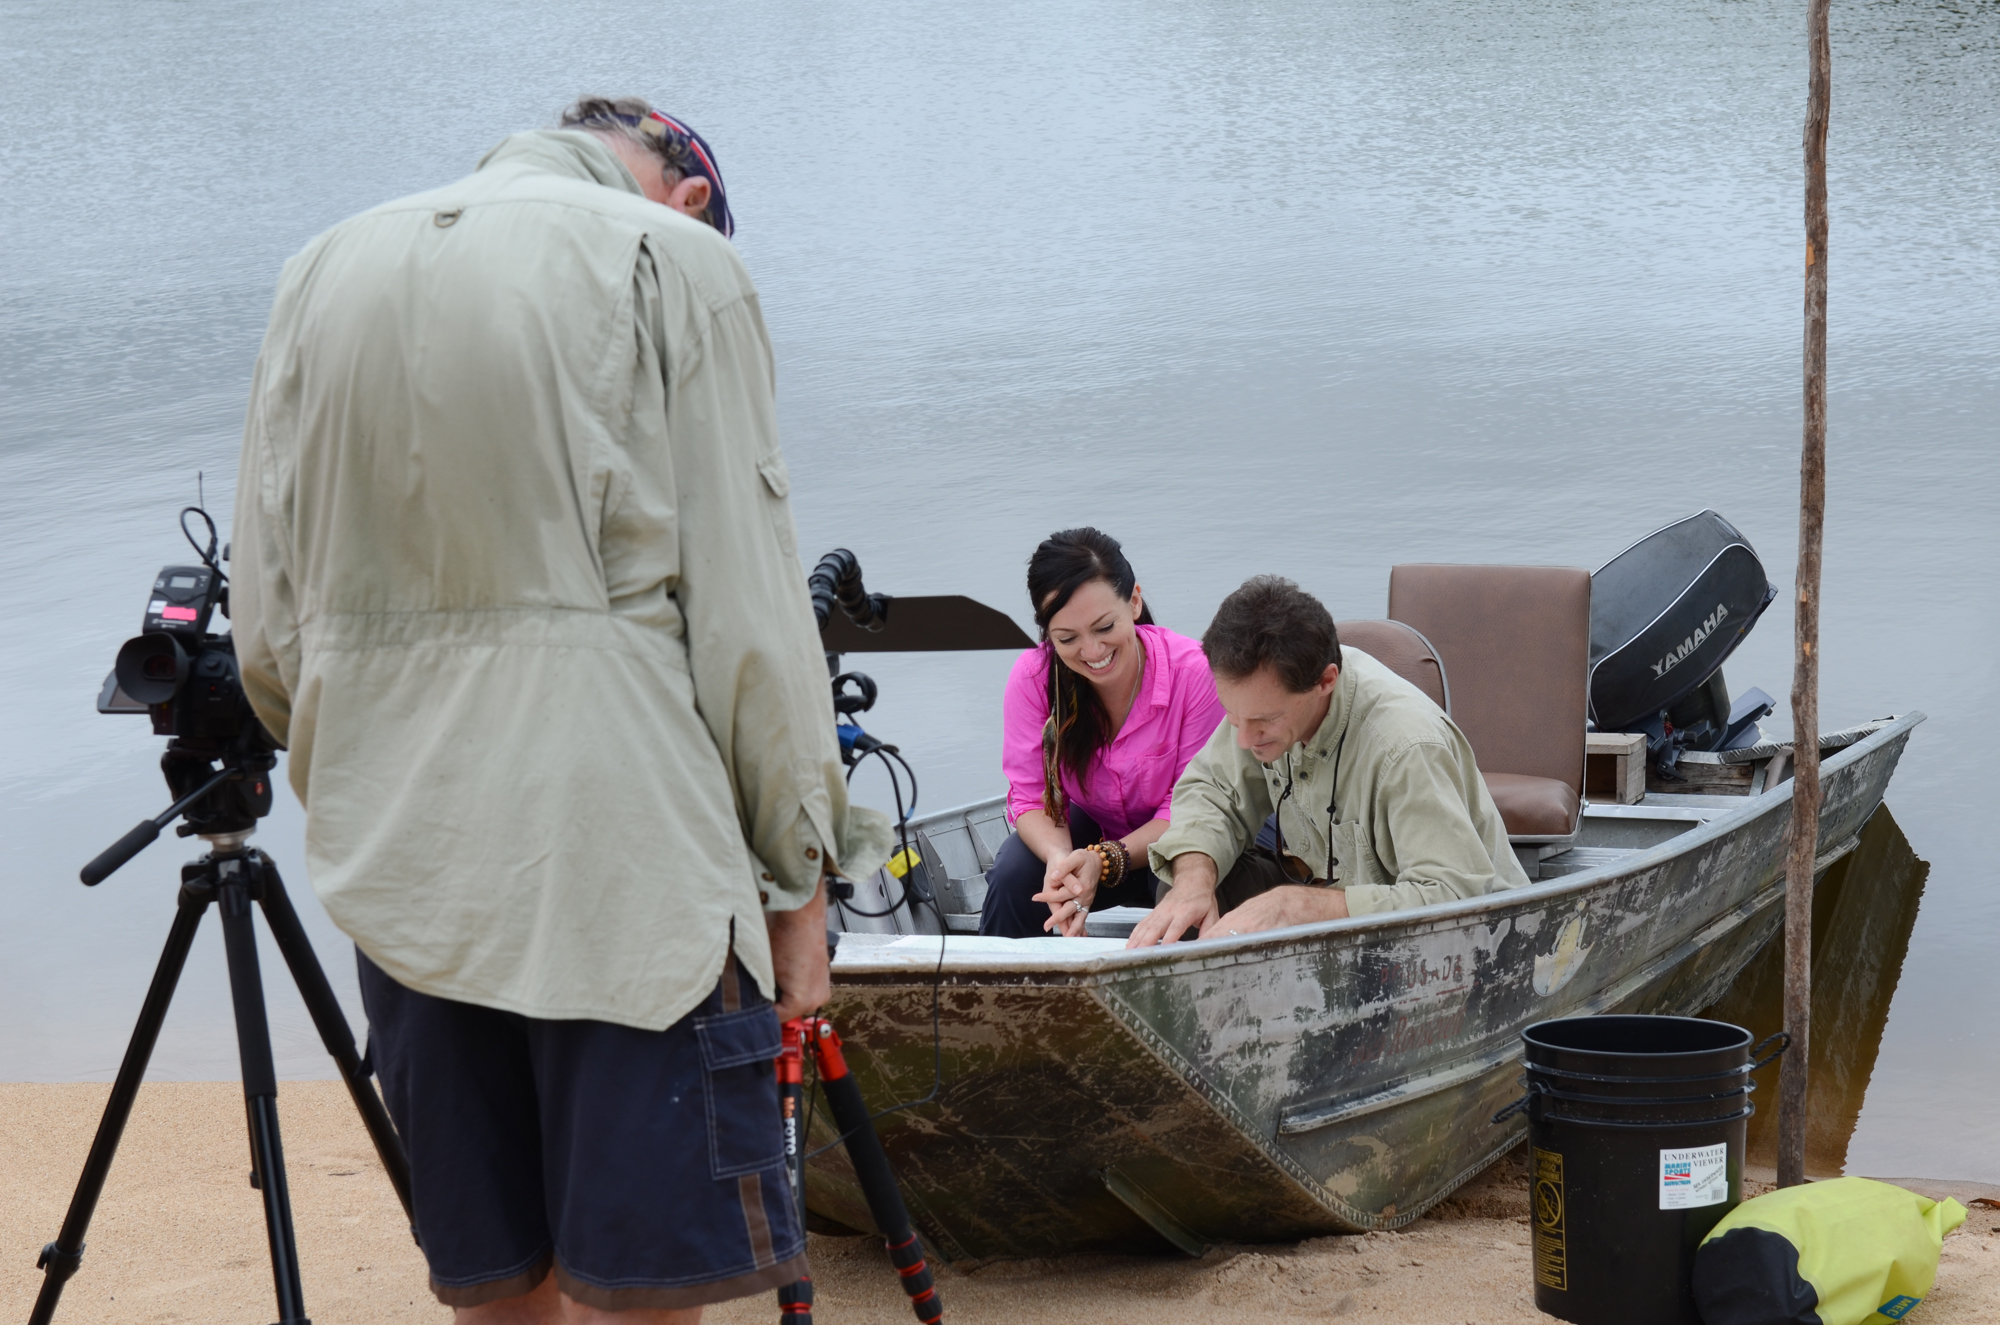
(179, 1237)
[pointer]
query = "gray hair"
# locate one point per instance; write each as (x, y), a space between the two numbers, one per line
(619, 118)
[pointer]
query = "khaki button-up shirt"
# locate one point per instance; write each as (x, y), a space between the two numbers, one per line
(515, 579)
(1412, 822)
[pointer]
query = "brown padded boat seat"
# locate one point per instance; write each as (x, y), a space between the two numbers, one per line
(1403, 650)
(1515, 642)
(1533, 807)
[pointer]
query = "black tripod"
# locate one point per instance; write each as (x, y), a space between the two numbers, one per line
(233, 876)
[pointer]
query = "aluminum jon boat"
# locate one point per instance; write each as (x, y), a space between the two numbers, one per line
(1329, 1078)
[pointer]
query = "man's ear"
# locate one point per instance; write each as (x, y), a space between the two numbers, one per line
(1329, 678)
(690, 197)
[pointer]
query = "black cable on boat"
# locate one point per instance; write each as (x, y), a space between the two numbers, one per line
(937, 1052)
(836, 581)
(887, 753)
(891, 757)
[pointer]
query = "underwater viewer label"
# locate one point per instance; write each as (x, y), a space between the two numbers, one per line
(1694, 1177)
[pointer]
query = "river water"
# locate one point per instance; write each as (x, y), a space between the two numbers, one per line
(1303, 286)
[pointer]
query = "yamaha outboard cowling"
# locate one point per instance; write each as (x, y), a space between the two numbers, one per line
(1664, 613)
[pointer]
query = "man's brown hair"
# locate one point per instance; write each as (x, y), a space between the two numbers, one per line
(620, 117)
(1271, 622)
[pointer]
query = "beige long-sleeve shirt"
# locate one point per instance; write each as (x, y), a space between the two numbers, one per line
(515, 578)
(1413, 823)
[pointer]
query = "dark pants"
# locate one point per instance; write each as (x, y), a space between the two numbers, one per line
(1258, 870)
(1011, 910)
(644, 1168)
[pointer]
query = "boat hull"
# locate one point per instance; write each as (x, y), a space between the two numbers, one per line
(1327, 1079)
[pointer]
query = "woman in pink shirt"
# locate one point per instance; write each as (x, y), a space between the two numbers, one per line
(1090, 788)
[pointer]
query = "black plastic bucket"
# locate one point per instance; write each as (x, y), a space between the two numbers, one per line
(1636, 1128)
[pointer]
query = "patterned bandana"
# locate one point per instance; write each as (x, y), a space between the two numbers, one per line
(690, 154)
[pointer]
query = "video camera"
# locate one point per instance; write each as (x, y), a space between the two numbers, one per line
(219, 757)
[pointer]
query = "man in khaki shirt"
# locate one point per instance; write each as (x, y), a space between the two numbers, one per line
(1379, 803)
(516, 582)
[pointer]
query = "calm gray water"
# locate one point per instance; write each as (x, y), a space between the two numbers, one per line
(1305, 286)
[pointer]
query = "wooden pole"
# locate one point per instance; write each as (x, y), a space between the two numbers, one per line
(1805, 676)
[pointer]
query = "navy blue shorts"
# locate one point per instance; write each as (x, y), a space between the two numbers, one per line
(645, 1168)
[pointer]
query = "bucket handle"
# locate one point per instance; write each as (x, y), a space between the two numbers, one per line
(1532, 1087)
(1785, 1036)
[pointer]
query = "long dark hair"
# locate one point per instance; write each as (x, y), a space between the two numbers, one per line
(1079, 724)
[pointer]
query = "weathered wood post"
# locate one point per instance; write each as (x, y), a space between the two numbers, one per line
(1805, 675)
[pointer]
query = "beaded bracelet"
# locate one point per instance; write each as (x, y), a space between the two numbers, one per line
(1103, 863)
(1114, 859)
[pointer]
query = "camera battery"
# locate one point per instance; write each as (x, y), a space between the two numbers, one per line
(183, 597)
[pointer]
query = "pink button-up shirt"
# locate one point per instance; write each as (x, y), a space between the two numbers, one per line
(1132, 780)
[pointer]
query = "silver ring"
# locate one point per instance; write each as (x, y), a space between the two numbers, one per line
(1232, 933)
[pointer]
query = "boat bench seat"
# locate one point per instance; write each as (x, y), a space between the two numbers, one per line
(1403, 649)
(1514, 645)
(1532, 806)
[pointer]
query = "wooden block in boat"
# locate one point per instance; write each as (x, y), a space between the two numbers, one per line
(1615, 767)
(1705, 775)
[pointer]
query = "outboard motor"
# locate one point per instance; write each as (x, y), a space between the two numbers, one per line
(1664, 614)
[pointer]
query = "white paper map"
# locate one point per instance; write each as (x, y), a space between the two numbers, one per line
(1694, 1177)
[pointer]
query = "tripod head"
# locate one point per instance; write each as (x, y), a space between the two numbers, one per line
(230, 789)
(222, 804)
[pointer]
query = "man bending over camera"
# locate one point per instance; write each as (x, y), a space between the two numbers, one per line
(1379, 804)
(516, 581)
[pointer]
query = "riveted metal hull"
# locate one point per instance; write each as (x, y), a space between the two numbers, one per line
(1331, 1078)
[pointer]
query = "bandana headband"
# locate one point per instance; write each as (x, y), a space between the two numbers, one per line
(690, 153)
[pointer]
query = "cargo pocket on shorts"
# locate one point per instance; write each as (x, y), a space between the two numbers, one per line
(739, 1088)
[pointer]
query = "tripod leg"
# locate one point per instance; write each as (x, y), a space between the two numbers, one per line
(795, 1300)
(61, 1258)
(871, 1168)
(334, 1032)
(260, 1085)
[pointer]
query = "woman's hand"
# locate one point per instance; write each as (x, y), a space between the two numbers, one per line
(1068, 886)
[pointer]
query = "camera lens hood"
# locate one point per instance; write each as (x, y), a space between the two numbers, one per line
(151, 667)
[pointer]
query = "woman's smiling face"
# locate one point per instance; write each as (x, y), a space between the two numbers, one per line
(1094, 635)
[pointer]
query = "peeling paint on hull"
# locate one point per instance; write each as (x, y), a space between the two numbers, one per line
(1331, 1078)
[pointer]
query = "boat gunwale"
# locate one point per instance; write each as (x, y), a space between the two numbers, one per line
(1041, 968)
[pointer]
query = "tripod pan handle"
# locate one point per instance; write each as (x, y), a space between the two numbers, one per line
(126, 847)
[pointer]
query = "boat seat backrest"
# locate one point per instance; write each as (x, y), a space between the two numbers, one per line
(1403, 649)
(1515, 641)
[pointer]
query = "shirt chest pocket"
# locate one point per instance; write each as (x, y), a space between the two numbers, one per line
(1351, 857)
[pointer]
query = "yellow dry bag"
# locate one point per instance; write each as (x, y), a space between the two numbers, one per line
(1827, 1253)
